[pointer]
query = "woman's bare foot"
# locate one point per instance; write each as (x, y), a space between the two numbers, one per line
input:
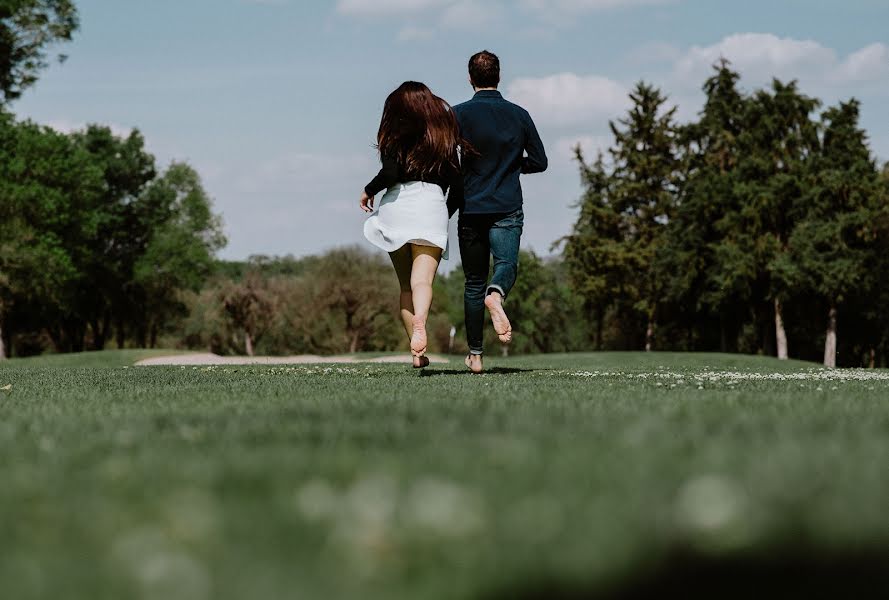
(418, 339)
(474, 363)
(421, 362)
(498, 317)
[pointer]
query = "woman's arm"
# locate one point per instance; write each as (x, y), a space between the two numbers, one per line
(386, 178)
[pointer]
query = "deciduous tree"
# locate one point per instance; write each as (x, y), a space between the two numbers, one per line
(27, 29)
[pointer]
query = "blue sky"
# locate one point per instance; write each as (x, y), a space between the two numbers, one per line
(276, 102)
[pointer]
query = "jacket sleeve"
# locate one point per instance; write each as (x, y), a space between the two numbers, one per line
(386, 178)
(536, 161)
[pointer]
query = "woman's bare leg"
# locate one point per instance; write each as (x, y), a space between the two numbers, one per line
(425, 264)
(402, 261)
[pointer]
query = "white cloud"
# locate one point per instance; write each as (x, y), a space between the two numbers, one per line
(387, 7)
(757, 55)
(299, 202)
(578, 6)
(590, 145)
(305, 169)
(474, 14)
(567, 98)
(761, 56)
(470, 14)
(868, 64)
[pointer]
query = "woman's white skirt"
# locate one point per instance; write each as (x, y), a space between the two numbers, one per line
(415, 212)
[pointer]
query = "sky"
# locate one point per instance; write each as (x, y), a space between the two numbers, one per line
(276, 102)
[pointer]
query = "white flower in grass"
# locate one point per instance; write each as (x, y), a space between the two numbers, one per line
(160, 569)
(712, 509)
(317, 500)
(444, 508)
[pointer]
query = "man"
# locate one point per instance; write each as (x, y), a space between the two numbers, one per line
(505, 144)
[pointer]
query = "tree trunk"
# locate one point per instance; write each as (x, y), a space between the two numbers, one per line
(780, 333)
(2, 345)
(120, 334)
(98, 341)
(55, 335)
(152, 337)
(600, 324)
(353, 345)
(649, 333)
(873, 359)
(106, 328)
(504, 350)
(830, 344)
(142, 335)
(248, 342)
(75, 332)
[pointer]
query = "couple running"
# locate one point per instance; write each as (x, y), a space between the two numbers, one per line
(474, 153)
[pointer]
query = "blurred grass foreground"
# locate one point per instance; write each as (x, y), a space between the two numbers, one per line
(564, 476)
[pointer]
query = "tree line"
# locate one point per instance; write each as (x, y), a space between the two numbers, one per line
(95, 240)
(342, 302)
(760, 227)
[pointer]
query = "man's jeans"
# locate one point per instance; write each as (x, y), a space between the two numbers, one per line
(480, 237)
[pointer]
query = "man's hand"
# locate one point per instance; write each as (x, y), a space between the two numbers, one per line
(367, 202)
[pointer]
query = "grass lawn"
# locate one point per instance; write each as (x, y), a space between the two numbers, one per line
(626, 475)
(103, 358)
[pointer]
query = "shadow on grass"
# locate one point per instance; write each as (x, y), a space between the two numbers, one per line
(859, 574)
(492, 371)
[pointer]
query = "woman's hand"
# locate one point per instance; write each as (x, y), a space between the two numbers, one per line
(367, 202)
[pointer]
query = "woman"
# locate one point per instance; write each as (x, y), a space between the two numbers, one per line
(418, 142)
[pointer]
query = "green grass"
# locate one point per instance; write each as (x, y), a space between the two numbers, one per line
(376, 481)
(104, 358)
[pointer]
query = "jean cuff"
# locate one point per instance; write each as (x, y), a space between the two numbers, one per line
(496, 288)
(476, 352)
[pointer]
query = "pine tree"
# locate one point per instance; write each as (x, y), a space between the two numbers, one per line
(706, 283)
(778, 138)
(829, 248)
(643, 194)
(594, 253)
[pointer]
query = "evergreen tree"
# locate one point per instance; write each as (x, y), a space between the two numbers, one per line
(595, 255)
(643, 194)
(709, 283)
(829, 247)
(777, 139)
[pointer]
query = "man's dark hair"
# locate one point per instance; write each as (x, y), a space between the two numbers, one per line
(484, 70)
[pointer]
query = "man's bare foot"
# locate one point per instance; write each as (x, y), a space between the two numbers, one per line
(418, 339)
(474, 363)
(494, 302)
(421, 362)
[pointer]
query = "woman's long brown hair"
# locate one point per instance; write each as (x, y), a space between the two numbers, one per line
(420, 131)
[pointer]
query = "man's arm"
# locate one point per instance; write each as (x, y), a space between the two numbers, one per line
(536, 161)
